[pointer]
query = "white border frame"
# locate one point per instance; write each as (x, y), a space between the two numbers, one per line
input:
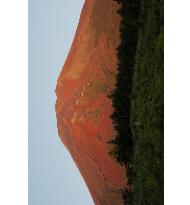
(14, 102)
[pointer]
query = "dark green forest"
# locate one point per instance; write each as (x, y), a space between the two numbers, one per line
(138, 101)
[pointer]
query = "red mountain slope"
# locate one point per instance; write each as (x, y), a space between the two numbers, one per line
(82, 107)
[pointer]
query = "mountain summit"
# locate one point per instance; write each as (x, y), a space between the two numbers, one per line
(83, 109)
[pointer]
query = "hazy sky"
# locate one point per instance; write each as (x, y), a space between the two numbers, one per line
(53, 176)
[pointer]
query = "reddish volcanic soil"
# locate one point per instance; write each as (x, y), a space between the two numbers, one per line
(82, 106)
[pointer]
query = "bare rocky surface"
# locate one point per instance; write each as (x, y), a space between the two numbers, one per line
(82, 106)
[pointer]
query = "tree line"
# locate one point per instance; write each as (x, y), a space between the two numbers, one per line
(138, 101)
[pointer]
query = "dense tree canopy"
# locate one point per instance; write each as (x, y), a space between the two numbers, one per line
(138, 101)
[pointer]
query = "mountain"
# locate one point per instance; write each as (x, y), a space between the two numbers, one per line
(83, 109)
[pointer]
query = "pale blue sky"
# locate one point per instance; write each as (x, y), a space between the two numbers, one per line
(53, 176)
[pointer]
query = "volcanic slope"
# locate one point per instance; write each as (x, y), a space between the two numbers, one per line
(82, 107)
